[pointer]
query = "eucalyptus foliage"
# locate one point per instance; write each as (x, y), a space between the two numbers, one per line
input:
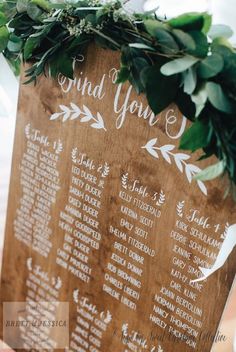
(184, 60)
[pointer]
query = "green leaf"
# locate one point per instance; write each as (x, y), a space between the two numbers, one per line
(160, 31)
(201, 42)
(185, 105)
(211, 66)
(211, 172)
(161, 91)
(3, 19)
(123, 74)
(44, 4)
(152, 26)
(220, 30)
(21, 5)
(222, 42)
(207, 23)
(190, 80)
(33, 11)
(8, 9)
(188, 21)
(229, 71)
(62, 63)
(196, 137)
(141, 46)
(166, 42)
(4, 35)
(218, 98)
(14, 44)
(30, 45)
(137, 65)
(184, 39)
(178, 65)
(200, 98)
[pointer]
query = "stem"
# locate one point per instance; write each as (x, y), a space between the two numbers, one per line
(106, 37)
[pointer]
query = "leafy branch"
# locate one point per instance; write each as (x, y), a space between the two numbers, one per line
(180, 160)
(162, 199)
(74, 112)
(179, 208)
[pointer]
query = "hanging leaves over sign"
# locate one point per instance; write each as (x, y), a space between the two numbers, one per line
(184, 60)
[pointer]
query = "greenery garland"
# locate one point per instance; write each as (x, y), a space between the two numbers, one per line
(184, 60)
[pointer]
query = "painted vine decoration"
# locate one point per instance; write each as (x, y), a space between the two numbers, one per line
(184, 60)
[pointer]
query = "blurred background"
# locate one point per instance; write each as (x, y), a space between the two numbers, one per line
(224, 12)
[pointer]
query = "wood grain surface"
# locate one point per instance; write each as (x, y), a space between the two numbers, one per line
(128, 227)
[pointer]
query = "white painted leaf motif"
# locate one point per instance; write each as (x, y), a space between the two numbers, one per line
(74, 155)
(27, 131)
(106, 170)
(179, 164)
(182, 156)
(179, 208)
(153, 153)
(161, 199)
(202, 187)
(151, 143)
(194, 168)
(188, 173)
(75, 115)
(64, 108)
(150, 148)
(179, 158)
(55, 116)
(87, 111)
(96, 125)
(85, 119)
(165, 149)
(75, 112)
(66, 117)
(124, 180)
(100, 120)
(75, 107)
(166, 156)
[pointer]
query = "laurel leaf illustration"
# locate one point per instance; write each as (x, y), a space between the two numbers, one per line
(179, 164)
(161, 199)
(188, 173)
(55, 116)
(202, 187)
(106, 170)
(124, 180)
(87, 111)
(85, 119)
(97, 125)
(64, 108)
(74, 155)
(75, 107)
(75, 112)
(179, 158)
(150, 148)
(182, 156)
(75, 115)
(66, 116)
(179, 208)
(166, 156)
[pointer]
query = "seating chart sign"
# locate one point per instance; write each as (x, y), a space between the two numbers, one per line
(105, 215)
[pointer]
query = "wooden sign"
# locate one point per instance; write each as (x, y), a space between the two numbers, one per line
(104, 214)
